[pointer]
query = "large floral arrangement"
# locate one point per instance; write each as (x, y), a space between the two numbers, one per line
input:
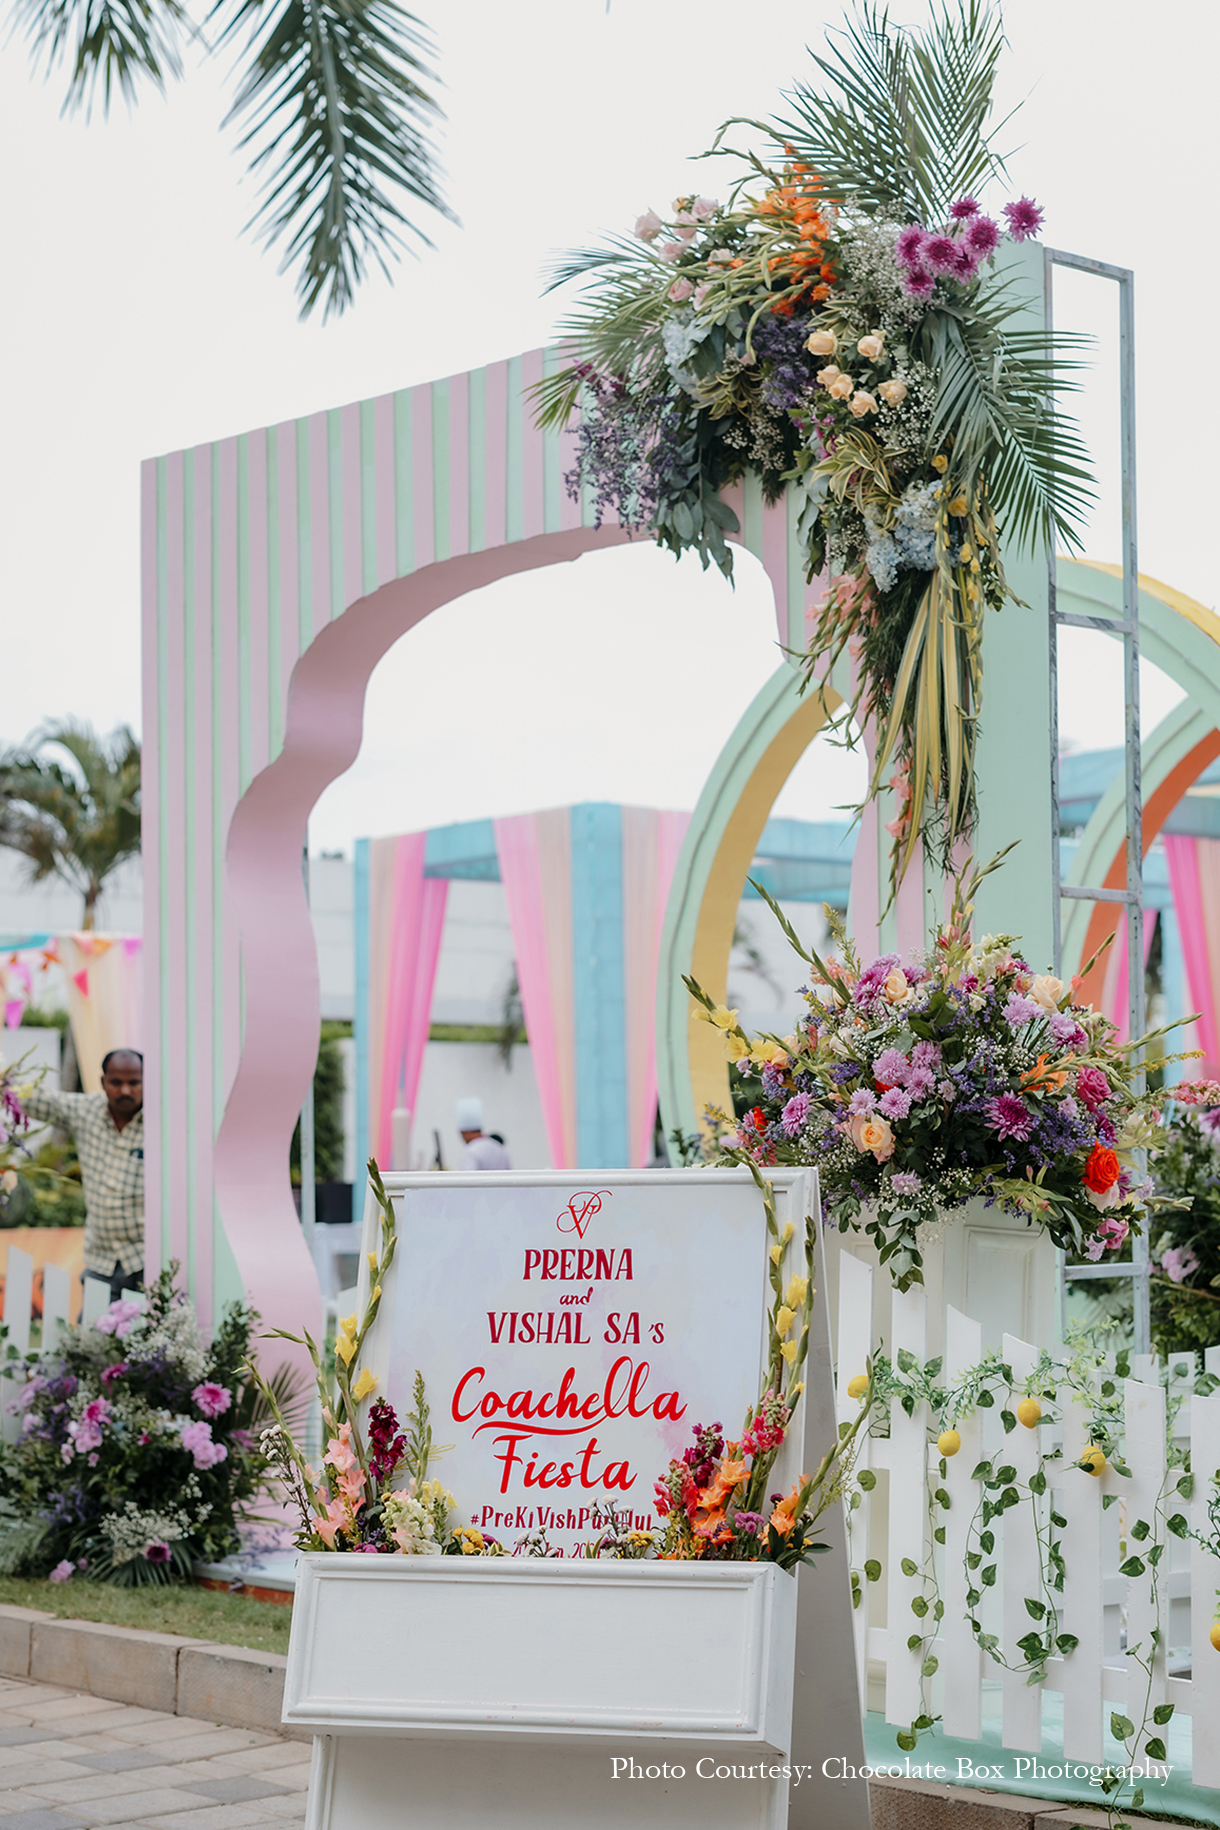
(374, 1491)
(136, 1458)
(915, 1087)
(844, 325)
(1186, 1248)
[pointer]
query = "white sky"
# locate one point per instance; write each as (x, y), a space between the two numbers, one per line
(137, 320)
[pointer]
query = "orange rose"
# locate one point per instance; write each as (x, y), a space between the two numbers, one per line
(1102, 1169)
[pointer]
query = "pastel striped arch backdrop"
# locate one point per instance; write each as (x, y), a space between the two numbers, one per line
(278, 567)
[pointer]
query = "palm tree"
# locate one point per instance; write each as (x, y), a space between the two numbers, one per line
(328, 100)
(79, 821)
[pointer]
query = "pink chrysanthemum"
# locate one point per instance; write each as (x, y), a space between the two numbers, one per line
(1024, 218)
(983, 235)
(1009, 1116)
(919, 283)
(939, 253)
(909, 244)
(965, 264)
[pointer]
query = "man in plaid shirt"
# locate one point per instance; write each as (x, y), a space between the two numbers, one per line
(108, 1129)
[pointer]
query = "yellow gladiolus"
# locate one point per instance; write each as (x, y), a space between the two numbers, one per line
(966, 555)
(958, 506)
(372, 1258)
(721, 1017)
(364, 1384)
(796, 1292)
(940, 463)
(787, 1233)
(784, 1318)
(736, 1047)
(377, 1294)
(790, 1349)
(769, 1052)
(345, 1347)
(776, 1253)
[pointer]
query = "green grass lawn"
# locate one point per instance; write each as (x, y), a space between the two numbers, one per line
(231, 1620)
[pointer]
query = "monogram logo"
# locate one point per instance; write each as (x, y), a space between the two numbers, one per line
(580, 1210)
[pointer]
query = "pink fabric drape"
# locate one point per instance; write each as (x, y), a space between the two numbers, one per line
(1194, 879)
(651, 843)
(411, 939)
(1114, 992)
(535, 852)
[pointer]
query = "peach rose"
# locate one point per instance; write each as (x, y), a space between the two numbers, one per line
(893, 393)
(863, 403)
(829, 375)
(1047, 991)
(896, 989)
(648, 226)
(842, 388)
(869, 1132)
(822, 343)
(871, 347)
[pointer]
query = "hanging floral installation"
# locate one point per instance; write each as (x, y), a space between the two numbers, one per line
(846, 325)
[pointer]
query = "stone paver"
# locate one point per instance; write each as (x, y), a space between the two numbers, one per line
(70, 1762)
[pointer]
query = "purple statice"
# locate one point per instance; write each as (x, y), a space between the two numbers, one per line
(772, 1081)
(894, 1103)
(1020, 1010)
(939, 253)
(845, 1071)
(983, 236)
(790, 371)
(909, 245)
(862, 1100)
(1009, 1116)
(1024, 218)
(906, 1182)
(870, 982)
(963, 209)
(891, 1067)
(795, 1113)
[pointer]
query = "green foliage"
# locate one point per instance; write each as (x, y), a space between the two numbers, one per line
(331, 100)
(328, 1086)
(1186, 1315)
(76, 820)
(49, 1191)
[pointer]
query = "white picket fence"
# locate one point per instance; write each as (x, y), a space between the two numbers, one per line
(1106, 1610)
(18, 1319)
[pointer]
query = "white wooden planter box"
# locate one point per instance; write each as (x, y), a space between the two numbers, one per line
(573, 1653)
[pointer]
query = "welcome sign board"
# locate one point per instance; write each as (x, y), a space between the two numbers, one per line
(572, 1328)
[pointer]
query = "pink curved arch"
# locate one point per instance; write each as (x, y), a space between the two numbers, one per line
(263, 859)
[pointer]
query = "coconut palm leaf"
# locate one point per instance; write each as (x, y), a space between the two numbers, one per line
(111, 45)
(77, 823)
(617, 329)
(337, 122)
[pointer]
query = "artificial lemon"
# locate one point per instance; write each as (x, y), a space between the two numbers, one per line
(1029, 1411)
(1214, 1636)
(1093, 1460)
(858, 1386)
(949, 1442)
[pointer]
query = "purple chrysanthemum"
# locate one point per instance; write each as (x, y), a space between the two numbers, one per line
(983, 235)
(895, 1103)
(906, 1182)
(794, 1114)
(890, 1067)
(861, 1101)
(1009, 1116)
(964, 208)
(939, 253)
(919, 283)
(1024, 218)
(1020, 1010)
(909, 244)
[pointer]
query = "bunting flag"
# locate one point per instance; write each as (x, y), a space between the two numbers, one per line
(105, 976)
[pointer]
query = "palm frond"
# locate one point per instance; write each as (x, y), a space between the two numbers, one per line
(109, 45)
(901, 129)
(78, 823)
(338, 123)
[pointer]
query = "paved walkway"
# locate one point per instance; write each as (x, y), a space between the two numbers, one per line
(68, 1760)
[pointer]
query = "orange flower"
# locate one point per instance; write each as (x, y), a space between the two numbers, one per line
(784, 1516)
(1102, 1169)
(1043, 1079)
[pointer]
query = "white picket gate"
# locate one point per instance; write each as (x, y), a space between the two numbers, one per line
(1106, 1610)
(18, 1319)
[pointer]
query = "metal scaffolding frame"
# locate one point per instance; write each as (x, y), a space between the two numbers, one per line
(1132, 897)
